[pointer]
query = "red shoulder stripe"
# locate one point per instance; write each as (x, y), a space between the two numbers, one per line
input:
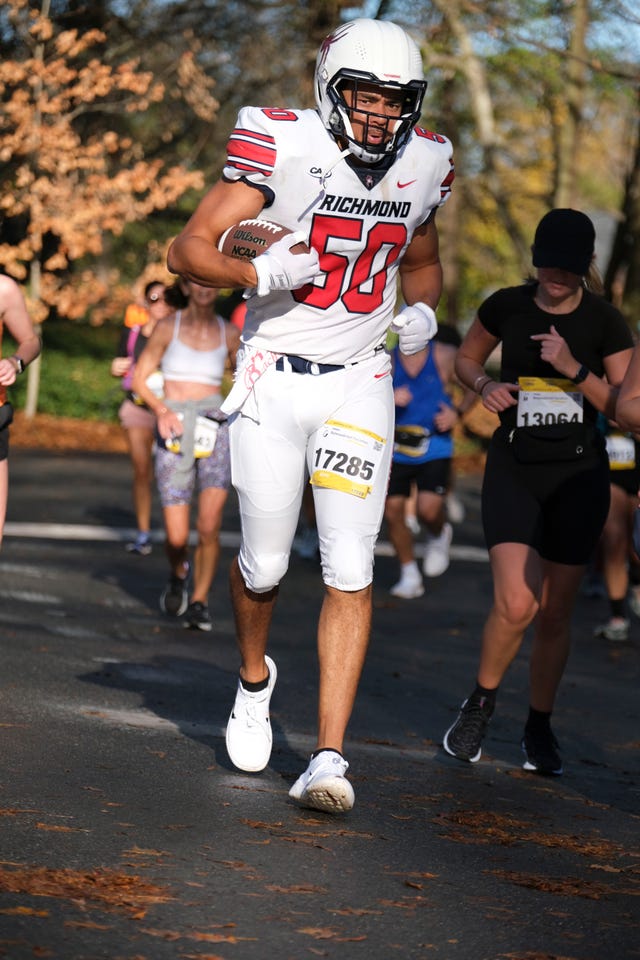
(249, 150)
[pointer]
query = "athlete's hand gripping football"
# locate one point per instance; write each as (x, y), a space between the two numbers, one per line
(415, 326)
(280, 269)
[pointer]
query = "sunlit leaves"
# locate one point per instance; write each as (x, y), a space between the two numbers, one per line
(70, 176)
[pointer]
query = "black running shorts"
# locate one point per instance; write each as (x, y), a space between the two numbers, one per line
(4, 442)
(433, 476)
(559, 509)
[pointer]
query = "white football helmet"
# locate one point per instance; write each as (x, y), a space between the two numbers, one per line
(369, 51)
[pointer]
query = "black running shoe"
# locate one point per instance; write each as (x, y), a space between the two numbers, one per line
(198, 617)
(542, 752)
(464, 738)
(175, 596)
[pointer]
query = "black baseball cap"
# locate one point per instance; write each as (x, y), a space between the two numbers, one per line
(564, 239)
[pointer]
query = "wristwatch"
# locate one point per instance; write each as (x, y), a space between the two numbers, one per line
(581, 375)
(18, 362)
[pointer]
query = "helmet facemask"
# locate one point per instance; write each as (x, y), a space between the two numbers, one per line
(397, 128)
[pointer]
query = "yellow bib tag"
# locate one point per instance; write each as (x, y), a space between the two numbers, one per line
(347, 459)
(546, 401)
(205, 437)
(621, 451)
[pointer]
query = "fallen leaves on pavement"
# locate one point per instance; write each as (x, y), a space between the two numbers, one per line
(105, 888)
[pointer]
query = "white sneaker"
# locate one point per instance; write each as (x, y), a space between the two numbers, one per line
(436, 552)
(616, 629)
(634, 600)
(412, 523)
(323, 785)
(249, 738)
(455, 508)
(410, 584)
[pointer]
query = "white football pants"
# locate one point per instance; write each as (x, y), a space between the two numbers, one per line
(338, 426)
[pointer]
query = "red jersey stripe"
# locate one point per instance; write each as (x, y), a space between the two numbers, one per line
(250, 150)
(445, 186)
(254, 134)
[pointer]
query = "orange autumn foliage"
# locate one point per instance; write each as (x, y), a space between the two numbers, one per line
(68, 180)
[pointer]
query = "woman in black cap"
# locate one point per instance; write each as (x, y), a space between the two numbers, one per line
(545, 493)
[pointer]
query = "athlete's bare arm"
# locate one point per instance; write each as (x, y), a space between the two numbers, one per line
(628, 405)
(149, 361)
(421, 270)
(194, 254)
(14, 316)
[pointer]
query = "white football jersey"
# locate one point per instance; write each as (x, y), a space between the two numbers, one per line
(360, 229)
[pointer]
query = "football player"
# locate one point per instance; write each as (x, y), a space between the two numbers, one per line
(359, 181)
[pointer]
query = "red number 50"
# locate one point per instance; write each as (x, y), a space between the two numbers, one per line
(362, 292)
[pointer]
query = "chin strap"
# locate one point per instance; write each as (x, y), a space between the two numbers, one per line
(325, 175)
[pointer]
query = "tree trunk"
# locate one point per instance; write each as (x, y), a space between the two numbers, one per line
(33, 373)
(569, 109)
(474, 71)
(451, 231)
(33, 370)
(622, 279)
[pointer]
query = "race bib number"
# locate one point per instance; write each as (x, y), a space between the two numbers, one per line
(545, 401)
(347, 459)
(621, 451)
(205, 437)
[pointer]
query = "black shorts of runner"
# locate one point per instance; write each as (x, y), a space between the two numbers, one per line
(559, 509)
(6, 417)
(432, 476)
(627, 480)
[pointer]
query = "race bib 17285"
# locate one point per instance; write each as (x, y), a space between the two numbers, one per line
(347, 458)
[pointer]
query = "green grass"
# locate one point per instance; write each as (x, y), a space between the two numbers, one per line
(75, 379)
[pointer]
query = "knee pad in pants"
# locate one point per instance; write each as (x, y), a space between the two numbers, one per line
(263, 572)
(347, 560)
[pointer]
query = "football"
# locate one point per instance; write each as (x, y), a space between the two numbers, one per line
(247, 239)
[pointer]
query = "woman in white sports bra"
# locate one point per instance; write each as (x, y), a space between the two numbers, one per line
(191, 347)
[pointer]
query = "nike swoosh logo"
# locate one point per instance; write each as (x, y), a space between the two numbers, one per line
(407, 184)
(379, 376)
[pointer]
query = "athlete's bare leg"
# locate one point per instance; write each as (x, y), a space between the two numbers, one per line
(432, 511)
(140, 450)
(399, 533)
(528, 589)
(343, 638)
(252, 612)
(614, 543)
(176, 526)
(517, 588)
(4, 490)
(207, 553)
(552, 632)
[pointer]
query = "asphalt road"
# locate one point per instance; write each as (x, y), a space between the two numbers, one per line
(127, 835)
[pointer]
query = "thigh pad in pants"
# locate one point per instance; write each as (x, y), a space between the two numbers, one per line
(349, 461)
